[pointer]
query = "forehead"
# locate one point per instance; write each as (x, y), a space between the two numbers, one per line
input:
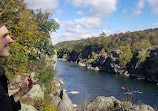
(3, 30)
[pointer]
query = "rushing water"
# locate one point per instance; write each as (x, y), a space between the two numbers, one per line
(90, 84)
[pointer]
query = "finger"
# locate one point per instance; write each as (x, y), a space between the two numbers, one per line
(29, 78)
(30, 84)
(31, 81)
(26, 78)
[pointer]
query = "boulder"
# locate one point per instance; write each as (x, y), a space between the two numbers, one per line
(96, 68)
(17, 79)
(126, 74)
(65, 104)
(36, 92)
(81, 64)
(25, 107)
(144, 107)
(12, 91)
(55, 100)
(102, 103)
(74, 92)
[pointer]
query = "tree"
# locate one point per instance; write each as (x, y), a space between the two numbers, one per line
(28, 29)
(125, 55)
(46, 25)
(103, 34)
(142, 55)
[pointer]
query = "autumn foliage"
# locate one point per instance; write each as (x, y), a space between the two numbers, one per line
(27, 27)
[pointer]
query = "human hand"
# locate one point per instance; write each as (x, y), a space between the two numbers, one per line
(27, 85)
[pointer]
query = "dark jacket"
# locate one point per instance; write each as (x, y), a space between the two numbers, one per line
(7, 103)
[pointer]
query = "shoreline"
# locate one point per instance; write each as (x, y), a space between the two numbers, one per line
(125, 74)
(132, 104)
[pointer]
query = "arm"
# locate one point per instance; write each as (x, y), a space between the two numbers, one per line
(25, 88)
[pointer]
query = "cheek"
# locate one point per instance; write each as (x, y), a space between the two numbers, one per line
(1, 45)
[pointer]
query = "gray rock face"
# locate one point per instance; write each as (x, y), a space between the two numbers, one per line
(65, 103)
(18, 79)
(55, 100)
(36, 92)
(147, 70)
(25, 107)
(144, 107)
(102, 103)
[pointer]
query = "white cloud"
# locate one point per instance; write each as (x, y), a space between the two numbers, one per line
(103, 7)
(44, 4)
(67, 36)
(79, 13)
(154, 5)
(108, 32)
(139, 7)
(99, 8)
(77, 29)
(155, 25)
(90, 22)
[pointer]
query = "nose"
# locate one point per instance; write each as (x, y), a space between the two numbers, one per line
(10, 40)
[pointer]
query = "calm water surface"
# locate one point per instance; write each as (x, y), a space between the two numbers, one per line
(91, 84)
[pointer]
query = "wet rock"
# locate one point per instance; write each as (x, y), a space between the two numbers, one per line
(96, 68)
(81, 64)
(126, 74)
(74, 92)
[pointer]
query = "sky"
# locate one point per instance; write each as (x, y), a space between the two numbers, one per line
(80, 19)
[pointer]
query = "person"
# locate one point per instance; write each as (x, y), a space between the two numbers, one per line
(10, 103)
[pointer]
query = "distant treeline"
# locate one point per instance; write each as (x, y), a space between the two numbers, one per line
(137, 41)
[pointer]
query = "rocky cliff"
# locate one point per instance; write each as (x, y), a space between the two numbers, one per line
(146, 70)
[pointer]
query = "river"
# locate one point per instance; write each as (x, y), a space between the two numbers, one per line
(90, 84)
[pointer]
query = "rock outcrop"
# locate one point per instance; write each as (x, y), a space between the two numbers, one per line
(63, 102)
(36, 92)
(102, 103)
(51, 61)
(25, 107)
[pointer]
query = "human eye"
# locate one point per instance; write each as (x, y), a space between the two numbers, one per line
(5, 35)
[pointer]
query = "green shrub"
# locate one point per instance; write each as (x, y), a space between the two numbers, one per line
(44, 105)
(45, 76)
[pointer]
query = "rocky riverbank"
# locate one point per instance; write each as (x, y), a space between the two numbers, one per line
(61, 100)
(146, 70)
(100, 103)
